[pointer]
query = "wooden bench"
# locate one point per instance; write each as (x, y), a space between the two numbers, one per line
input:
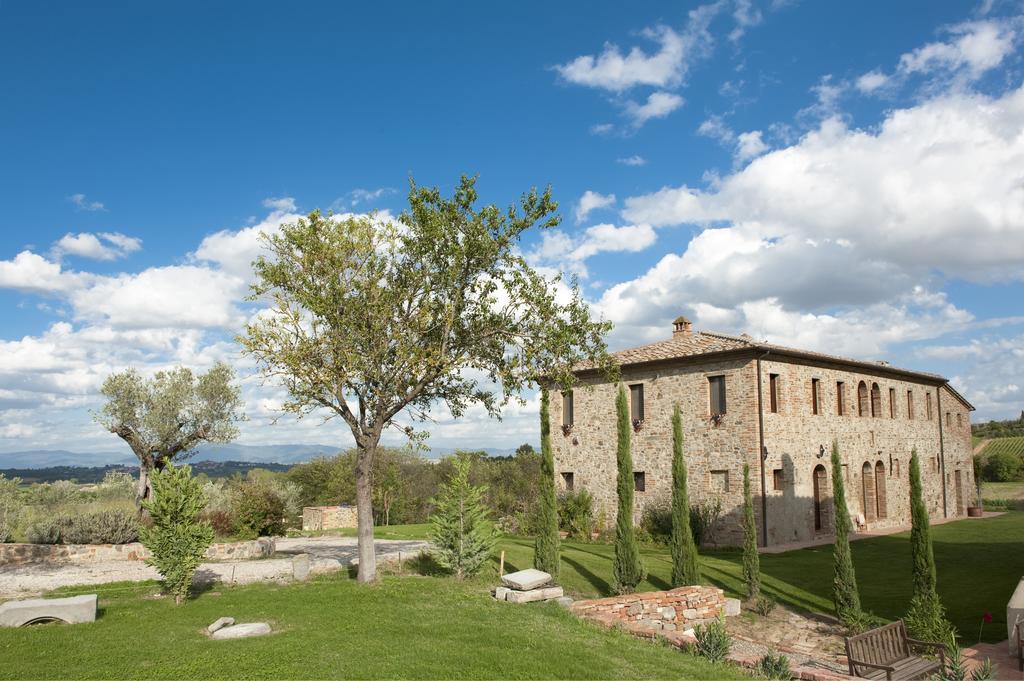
(886, 653)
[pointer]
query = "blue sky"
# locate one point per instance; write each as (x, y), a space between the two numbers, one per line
(844, 177)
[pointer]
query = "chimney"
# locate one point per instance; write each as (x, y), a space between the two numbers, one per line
(682, 326)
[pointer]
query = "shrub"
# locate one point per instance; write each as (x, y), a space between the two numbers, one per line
(44, 530)
(222, 522)
(845, 594)
(763, 605)
(546, 550)
(751, 559)
(1003, 466)
(116, 485)
(656, 522)
(685, 561)
(10, 507)
(774, 667)
(177, 539)
(103, 527)
(703, 518)
(460, 530)
(54, 494)
(713, 640)
(258, 511)
(627, 568)
(576, 514)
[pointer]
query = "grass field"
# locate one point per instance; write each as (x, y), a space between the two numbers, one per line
(408, 627)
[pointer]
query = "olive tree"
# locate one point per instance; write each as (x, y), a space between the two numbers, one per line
(164, 417)
(375, 321)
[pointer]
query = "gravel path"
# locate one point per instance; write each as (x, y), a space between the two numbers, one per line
(327, 554)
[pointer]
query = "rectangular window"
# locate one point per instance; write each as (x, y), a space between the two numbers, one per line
(815, 396)
(959, 420)
(895, 468)
(846, 472)
(636, 402)
(717, 387)
(892, 403)
(567, 408)
(777, 480)
(639, 481)
(569, 480)
(928, 406)
(910, 405)
(773, 390)
(719, 481)
(840, 398)
(949, 420)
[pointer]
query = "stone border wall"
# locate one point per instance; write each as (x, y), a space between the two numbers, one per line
(23, 554)
(675, 610)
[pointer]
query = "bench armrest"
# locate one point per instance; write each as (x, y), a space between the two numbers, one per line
(888, 670)
(941, 647)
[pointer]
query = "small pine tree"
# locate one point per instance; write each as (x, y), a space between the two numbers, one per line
(844, 583)
(463, 536)
(751, 561)
(545, 554)
(628, 568)
(176, 539)
(926, 618)
(685, 561)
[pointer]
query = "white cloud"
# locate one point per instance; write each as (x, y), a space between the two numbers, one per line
(31, 272)
(745, 146)
(284, 204)
(591, 201)
(601, 129)
(975, 47)
(937, 186)
(569, 253)
(634, 160)
(747, 15)
(749, 145)
(658, 105)
(872, 81)
(667, 67)
(102, 246)
(233, 251)
(360, 196)
(82, 203)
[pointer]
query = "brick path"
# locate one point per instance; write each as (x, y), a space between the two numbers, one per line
(1004, 667)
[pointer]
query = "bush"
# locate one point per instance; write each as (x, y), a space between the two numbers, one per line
(656, 523)
(10, 507)
(103, 527)
(45, 530)
(116, 485)
(54, 494)
(177, 539)
(222, 522)
(576, 514)
(763, 605)
(774, 667)
(460, 530)
(703, 518)
(258, 510)
(713, 641)
(1004, 466)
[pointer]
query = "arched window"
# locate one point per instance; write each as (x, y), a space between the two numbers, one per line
(821, 505)
(862, 399)
(876, 400)
(881, 507)
(868, 492)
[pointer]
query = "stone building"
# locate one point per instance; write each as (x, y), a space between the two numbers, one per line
(777, 409)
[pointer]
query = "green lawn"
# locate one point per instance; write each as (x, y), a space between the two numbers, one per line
(979, 563)
(405, 627)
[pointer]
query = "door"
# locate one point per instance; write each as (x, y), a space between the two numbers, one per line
(959, 493)
(820, 484)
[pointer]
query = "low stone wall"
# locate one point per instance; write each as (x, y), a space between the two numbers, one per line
(22, 554)
(316, 518)
(675, 610)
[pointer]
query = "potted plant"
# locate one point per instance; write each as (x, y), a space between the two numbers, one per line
(979, 510)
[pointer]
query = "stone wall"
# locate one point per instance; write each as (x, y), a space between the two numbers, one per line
(316, 518)
(715, 452)
(675, 610)
(794, 439)
(21, 554)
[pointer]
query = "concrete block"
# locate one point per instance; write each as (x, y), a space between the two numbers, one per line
(526, 580)
(72, 610)
(534, 595)
(220, 624)
(732, 607)
(300, 567)
(242, 631)
(1014, 609)
(501, 593)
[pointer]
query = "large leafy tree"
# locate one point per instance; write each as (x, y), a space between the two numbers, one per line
(164, 417)
(376, 321)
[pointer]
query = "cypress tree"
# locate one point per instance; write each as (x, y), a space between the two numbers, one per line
(545, 554)
(926, 618)
(628, 569)
(751, 561)
(685, 562)
(844, 582)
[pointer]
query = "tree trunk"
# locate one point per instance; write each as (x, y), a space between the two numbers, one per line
(364, 505)
(144, 488)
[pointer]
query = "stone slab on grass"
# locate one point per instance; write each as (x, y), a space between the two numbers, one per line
(526, 580)
(501, 593)
(301, 566)
(532, 595)
(242, 631)
(732, 607)
(72, 610)
(220, 624)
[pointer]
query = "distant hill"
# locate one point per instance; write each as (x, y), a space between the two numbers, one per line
(92, 474)
(991, 429)
(263, 454)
